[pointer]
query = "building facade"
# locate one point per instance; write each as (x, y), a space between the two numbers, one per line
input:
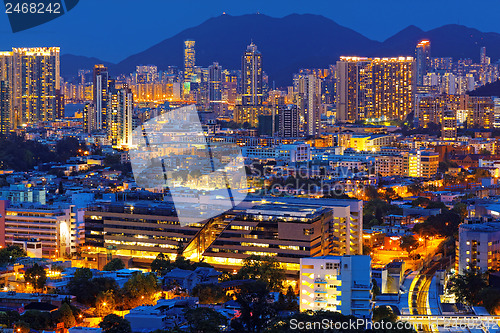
(336, 283)
(478, 246)
(285, 228)
(375, 88)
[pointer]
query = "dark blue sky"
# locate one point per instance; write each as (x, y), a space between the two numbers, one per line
(114, 29)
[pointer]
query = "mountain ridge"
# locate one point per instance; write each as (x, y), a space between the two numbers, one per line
(299, 41)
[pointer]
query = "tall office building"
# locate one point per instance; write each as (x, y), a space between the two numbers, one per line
(189, 63)
(423, 60)
(481, 112)
(431, 109)
(251, 72)
(350, 88)
(482, 56)
(252, 87)
(288, 121)
(4, 107)
(35, 80)
(189, 59)
(215, 82)
(89, 118)
(309, 89)
(378, 88)
(120, 117)
(5, 91)
(100, 96)
(449, 125)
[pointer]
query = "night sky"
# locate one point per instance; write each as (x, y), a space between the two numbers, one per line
(114, 29)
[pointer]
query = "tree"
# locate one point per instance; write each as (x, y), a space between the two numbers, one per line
(82, 287)
(21, 327)
(481, 173)
(444, 224)
(375, 210)
(105, 303)
(375, 289)
(490, 299)
(38, 320)
(66, 316)
(484, 151)
(288, 301)
(371, 193)
(408, 243)
(209, 294)
(114, 265)
(36, 277)
(68, 147)
(102, 284)
(384, 313)
(8, 318)
(262, 268)
(140, 289)
(467, 286)
(9, 254)
(460, 209)
(160, 265)
(257, 309)
(60, 190)
(115, 324)
(204, 320)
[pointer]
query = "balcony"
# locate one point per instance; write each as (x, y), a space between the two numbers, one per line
(361, 286)
(319, 291)
(320, 281)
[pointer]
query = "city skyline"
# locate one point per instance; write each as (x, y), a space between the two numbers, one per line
(163, 23)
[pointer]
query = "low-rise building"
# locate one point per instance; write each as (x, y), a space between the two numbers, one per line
(336, 283)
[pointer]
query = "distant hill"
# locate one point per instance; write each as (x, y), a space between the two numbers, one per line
(295, 41)
(489, 89)
(286, 44)
(451, 40)
(71, 64)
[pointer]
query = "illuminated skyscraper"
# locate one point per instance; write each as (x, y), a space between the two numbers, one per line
(251, 72)
(35, 80)
(482, 56)
(288, 121)
(449, 125)
(120, 117)
(309, 89)
(423, 60)
(89, 118)
(378, 88)
(252, 88)
(350, 73)
(189, 62)
(215, 82)
(100, 96)
(5, 91)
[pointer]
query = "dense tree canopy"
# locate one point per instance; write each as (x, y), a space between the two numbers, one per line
(204, 320)
(114, 265)
(140, 289)
(264, 268)
(36, 277)
(9, 254)
(115, 324)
